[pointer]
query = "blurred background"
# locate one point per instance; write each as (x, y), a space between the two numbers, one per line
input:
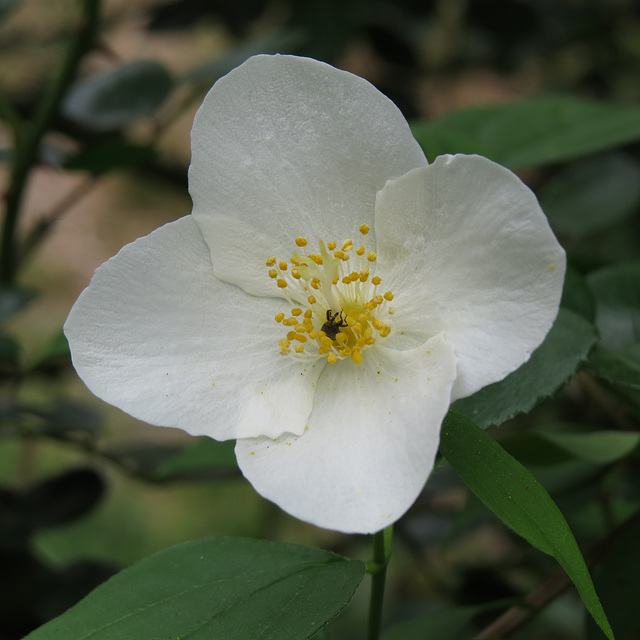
(85, 489)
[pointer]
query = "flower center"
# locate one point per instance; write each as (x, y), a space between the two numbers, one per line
(337, 310)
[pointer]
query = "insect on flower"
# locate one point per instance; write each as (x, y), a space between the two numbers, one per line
(331, 328)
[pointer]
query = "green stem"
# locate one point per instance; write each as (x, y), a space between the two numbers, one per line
(26, 155)
(377, 567)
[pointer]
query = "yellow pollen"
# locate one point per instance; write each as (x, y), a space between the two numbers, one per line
(334, 310)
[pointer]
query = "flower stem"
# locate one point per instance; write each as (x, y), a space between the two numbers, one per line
(27, 146)
(377, 567)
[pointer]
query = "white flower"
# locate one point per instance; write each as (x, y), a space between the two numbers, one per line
(328, 298)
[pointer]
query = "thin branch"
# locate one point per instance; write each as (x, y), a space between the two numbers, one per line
(516, 617)
(26, 153)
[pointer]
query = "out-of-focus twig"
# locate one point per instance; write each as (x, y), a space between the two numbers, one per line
(26, 153)
(516, 617)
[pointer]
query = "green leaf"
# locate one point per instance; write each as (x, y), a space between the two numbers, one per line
(617, 293)
(206, 455)
(593, 194)
(531, 132)
(62, 499)
(599, 447)
(227, 588)
(620, 369)
(618, 581)
(115, 99)
(576, 295)
(13, 301)
(545, 448)
(55, 356)
(518, 499)
(108, 155)
(552, 364)
(9, 352)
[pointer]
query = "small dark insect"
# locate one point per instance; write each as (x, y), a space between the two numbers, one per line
(331, 327)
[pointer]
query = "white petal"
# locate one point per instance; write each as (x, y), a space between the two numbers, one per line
(371, 442)
(285, 147)
(158, 336)
(467, 250)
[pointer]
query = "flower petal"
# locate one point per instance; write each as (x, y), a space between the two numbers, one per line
(371, 442)
(467, 250)
(285, 147)
(157, 335)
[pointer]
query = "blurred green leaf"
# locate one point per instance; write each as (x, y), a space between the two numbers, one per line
(55, 356)
(206, 455)
(531, 132)
(620, 369)
(115, 99)
(576, 295)
(13, 301)
(280, 42)
(62, 499)
(617, 292)
(9, 352)
(552, 364)
(592, 194)
(108, 155)
(144, 460)
(617, 579)
(518, 499)
(552, 447)
(215, 588)
(63, 419)
(599, 447)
